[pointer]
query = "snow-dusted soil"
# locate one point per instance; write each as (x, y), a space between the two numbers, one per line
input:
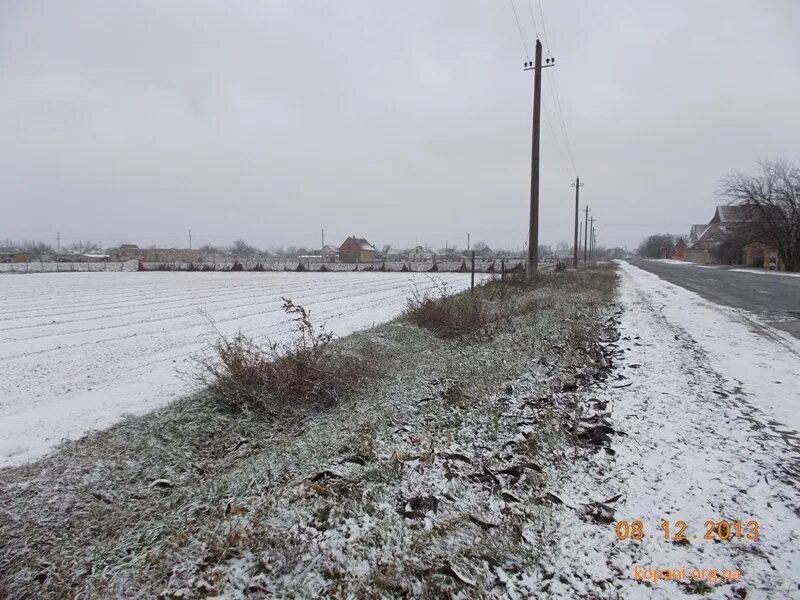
(79, 350)
(709, 401)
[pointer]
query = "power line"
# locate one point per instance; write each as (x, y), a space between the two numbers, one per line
(554, 89)
(553, 133)
(555, 104)
(521, 36)
(544, 28)
(530, 10)
(560, 115)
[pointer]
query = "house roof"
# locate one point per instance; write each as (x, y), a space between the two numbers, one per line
(732, 214)
(712, 235)
(365, 245)
(697, 231)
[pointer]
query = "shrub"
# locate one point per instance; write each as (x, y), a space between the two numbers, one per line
(449, 315)
(249, 376)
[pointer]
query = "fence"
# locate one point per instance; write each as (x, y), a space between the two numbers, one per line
(37, 266)
(280, 264)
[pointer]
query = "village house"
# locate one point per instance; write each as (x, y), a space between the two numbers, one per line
(356, 250)
(329, 253)
(155, 255)
(421, 254)
(680, 250)
(726, 240)
(13, 256)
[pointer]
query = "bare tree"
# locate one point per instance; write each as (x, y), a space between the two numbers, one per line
(209, 249)
(242, 249)
(772, 197)
(660, 245)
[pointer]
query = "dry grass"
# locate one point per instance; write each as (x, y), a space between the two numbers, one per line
(249, 376)
(453, 315)
(192, 501)
(496, 302)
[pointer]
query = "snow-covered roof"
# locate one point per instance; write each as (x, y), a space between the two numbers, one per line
(363, 244)
(732, 214)
(697, 231)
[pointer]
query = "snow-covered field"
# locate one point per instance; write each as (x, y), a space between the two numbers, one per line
(79, 350)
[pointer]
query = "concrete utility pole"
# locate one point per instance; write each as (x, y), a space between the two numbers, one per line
(580, 236)
(533, 229)
(467, 242)
(577, 185)
(591, 237)
(585, 233)
(190, 239)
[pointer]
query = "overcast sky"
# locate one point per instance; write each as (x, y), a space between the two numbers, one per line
(402, 122)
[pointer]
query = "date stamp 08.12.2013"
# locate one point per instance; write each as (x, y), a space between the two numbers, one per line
(679, 531)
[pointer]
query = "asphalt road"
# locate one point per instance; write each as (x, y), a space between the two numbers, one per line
(775, 297)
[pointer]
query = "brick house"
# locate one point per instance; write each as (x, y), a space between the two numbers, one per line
(680, 250)
(356, 250)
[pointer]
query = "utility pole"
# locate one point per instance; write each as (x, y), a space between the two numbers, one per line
(467, 242)
(533, 229)
(577, 185)
(585, 233)
(190, 239)
(580, 236)
(591, 237)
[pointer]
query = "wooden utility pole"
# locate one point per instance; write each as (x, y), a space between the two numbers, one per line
(577, 185)
(585, 233)
(533, 229)
(472, 276)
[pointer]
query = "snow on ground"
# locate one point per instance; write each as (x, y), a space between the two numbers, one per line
(763, 272)
(738, 270)
(79, 350)
(708, 398)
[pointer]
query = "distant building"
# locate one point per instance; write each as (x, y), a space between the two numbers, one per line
(356, 250)
(156, 255)
(727, 240)
(13, 256)
(329, 253)
(680, 250)
(421, 254)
